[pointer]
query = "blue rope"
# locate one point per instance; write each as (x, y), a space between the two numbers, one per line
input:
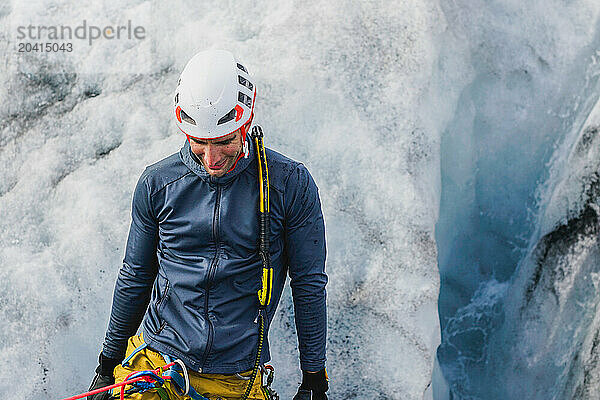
(143, 385)
(178, 380)
(133, 353)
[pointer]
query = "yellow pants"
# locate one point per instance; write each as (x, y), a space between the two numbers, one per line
(212, 386)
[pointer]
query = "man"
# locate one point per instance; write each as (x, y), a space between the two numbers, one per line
(192, 268)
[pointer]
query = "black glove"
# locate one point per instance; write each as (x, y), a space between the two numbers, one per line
(317, 383)
(104, 377)
(101, 381)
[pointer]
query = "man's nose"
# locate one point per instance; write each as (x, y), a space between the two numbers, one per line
(211, 155)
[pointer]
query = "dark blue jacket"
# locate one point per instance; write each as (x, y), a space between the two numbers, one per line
(192, 268)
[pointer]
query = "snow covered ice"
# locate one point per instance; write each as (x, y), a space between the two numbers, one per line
(449, 139)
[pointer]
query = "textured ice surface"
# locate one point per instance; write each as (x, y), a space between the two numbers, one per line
(479, 112)
(350, 88)
(514, 191)
(547, 347)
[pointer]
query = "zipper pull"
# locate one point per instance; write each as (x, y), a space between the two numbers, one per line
(260, 314)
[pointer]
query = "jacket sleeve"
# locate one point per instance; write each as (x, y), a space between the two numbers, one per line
(305, 249)
(136, 276)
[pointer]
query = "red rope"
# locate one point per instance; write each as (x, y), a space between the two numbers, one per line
(123, 384)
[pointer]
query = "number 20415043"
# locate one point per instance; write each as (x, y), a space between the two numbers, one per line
(45, 47)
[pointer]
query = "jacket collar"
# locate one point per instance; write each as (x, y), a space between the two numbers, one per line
(194, 164)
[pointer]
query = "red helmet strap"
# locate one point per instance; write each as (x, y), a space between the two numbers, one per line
(244, 134)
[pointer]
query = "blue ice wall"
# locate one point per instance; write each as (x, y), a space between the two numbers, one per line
(524, 98)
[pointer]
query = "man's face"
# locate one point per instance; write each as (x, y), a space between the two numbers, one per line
(218, 155)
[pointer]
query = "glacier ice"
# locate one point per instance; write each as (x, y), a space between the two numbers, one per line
(350, 94)
(459, 135)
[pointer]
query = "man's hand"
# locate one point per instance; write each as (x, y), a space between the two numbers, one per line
(315, 382)
(104, 377)
(101, 381)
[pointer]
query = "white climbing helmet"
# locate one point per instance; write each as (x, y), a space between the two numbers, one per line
(214, 97)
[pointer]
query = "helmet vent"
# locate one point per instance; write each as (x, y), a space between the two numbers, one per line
(176, 97)
(245, 82)
(244, 99)
(187, 118)
(228, 117)
(240, 66)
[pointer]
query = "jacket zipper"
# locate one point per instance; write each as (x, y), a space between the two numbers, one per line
(211, 270)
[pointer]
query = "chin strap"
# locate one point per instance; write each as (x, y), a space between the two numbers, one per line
(245, 143)
(245, 139)
(246, 149)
